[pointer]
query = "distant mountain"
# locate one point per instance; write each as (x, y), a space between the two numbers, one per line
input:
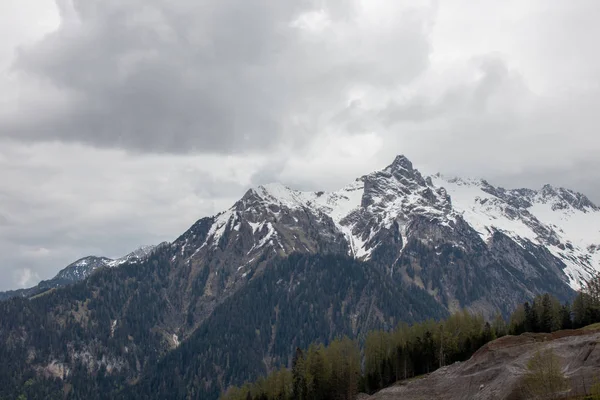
(232, 297)
(79, 270)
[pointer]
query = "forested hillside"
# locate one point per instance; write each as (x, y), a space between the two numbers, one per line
(95, 339)
(296, 301)
(65, 343)
(334, 371)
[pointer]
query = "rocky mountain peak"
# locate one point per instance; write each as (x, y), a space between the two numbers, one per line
(82, 268)
(562, 221)
(272, 196)
(398, 180)
(381, 207)
(402, 169)
(401, 162)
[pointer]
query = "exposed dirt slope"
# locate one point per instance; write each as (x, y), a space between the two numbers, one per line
(495, 371)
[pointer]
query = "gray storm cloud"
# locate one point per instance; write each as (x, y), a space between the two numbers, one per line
(210, 76)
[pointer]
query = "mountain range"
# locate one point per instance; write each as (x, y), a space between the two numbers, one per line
(233, 296)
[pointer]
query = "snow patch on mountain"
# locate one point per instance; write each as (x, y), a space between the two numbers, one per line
(566, 223)
(337, 204)
(483, 211)
(579, 235)
(138, 254)
(220, 224)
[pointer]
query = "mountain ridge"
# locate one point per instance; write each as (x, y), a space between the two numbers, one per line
(508, 208)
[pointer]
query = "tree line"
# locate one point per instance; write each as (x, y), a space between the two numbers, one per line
(337, 372)
(340, 370)
(546, 314)
(320, 373)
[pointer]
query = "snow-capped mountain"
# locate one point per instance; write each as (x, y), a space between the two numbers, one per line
(435, 232)
(356, 214)
(82, 268)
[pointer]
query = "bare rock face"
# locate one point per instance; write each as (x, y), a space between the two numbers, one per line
(496, 370)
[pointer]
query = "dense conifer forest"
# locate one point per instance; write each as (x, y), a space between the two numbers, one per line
(314, 295)
(340, 370)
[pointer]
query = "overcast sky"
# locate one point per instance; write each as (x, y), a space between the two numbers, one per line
(124, 121)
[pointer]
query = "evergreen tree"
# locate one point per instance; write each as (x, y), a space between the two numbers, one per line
(488, 334)
(499, 326)
(581, 311)
(299, 383)
(565, 317)
(531, 318)
(547, 317)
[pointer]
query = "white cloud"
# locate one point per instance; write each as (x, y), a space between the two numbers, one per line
(27, 278)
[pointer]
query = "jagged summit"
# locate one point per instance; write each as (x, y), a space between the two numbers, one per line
(565, 222)
(400, 162)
